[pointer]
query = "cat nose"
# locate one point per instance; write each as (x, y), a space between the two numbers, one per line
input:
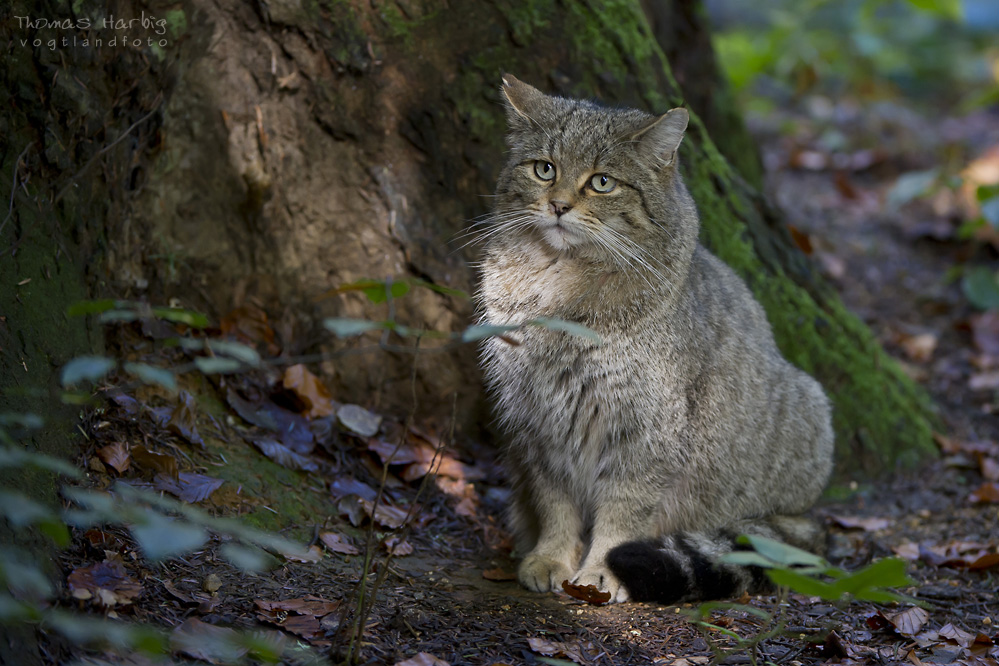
(559, 207)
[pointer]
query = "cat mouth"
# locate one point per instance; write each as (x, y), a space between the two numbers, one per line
(559, 235)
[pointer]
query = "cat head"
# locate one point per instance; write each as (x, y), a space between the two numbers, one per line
(592, 181)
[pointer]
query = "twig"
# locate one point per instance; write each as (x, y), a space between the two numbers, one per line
(106, 148)
(13, 185)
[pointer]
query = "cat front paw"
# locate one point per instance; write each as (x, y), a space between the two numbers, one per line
(543, 574)
(602, 579)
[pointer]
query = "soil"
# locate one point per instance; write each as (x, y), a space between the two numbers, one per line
(890, 268)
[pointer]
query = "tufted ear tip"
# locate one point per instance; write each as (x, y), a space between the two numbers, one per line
(660, 138)
(509, 80)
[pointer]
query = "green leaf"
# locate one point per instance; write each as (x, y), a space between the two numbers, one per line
(152, 375)
(21, 573)
(483, 331)
(86, 368)
(568, 326)
(248, 558)
(781, 553)
(344, 327)
(236, 350)
(22, 511)
(182, 316)
(440, 289)
(161, 537)
(217, 365)
(123, 316)
(948, 9)
(85, 630)
(910, 186)
(12, 611)
(803, 584)
(376, 291)
(990, 211)
(889, 572)
(745, 558)
(16, 457)
(91, 307)
(981, 287)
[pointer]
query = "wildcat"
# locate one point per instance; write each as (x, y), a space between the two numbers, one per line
(638, 461)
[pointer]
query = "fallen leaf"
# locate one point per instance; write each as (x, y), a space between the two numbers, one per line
(984, 381)
(423, 659)
(280, 453)
(308, 605)
(588, 593)
(182, 420)
(159, 462)
(920, 347)
(188, 486)
(955, 635)
(550, 648)
(866, 524)
(985, 332)
(386, 515)
(499, 575)
(987, 493)
(108, 582)
(801, 239)
(311, 554)
(907, 550)
(249, 324)
(358, 420)
(115, 455)
(207, 642)
(398, 547)
(986, 561)
(348, 485)
(292, 429)
(338, 543)
(910, 621)
(299, 616)
(310, 390)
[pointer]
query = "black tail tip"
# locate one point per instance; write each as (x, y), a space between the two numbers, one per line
(647, 572)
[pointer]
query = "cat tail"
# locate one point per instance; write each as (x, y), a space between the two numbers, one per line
(684, 566)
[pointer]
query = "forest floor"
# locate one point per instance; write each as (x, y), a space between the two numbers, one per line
(447, 593)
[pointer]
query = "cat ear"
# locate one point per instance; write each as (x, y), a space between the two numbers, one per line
(522, 102)
(659, 140)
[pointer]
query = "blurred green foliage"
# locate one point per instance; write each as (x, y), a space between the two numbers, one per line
(867, 48)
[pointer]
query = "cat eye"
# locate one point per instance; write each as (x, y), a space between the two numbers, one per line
(602, 183)
(544, 170)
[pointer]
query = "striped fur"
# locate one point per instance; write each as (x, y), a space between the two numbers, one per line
(685, 424)
(685, 566)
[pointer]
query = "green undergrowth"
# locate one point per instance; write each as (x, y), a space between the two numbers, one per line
(282, 499)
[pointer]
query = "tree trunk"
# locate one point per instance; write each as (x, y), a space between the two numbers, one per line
(299, 145)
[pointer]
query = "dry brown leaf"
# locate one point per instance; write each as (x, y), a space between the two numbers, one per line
(398, 547)
(312, 554)
(338, 543)
(987, 493)
(910, 621)
(956, 635)
(550, 648)
(907, 550)
(857, 523)
(588, 593)
(920, 347)
(108, 582)
(387, 516)
(307, 605)
(986, 561)
(422, 659)
(158, 462)
(116, 455)
(249, 325)
(310, 390)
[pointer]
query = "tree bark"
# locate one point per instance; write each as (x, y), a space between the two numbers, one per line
(298, 145)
